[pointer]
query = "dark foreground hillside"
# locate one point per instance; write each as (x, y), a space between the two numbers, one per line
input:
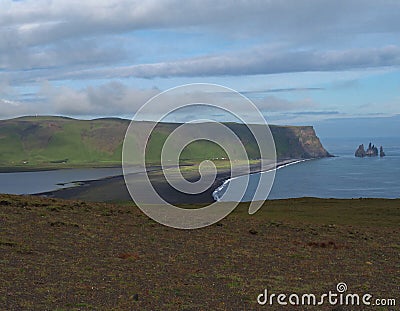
(72, 255)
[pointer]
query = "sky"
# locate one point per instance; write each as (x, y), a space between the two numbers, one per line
(301, 62)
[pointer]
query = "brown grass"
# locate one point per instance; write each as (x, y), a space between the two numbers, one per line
(71, 255)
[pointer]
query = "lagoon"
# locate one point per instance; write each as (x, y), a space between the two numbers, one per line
(43, 181)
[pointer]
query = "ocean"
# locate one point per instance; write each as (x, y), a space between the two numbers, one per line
(343, 176)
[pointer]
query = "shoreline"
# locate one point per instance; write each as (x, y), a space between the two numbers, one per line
(279, 165)
(112, 189)
(21, 169)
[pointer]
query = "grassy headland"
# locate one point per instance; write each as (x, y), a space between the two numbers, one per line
(32, 143)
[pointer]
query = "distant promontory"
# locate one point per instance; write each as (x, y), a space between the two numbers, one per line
(372, 151)
(61, 142)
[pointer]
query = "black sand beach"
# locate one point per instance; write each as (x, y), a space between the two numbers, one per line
(113, 189)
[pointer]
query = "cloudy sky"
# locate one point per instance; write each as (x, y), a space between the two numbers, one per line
(300, 61)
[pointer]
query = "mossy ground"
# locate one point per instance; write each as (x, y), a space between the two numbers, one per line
(74, 255)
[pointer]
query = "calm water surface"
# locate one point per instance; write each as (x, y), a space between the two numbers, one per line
(42, 181)
(341, 177)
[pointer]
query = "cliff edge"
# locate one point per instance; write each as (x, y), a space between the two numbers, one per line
(298, 142)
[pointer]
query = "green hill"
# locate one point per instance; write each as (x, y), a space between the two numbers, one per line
(58, 141)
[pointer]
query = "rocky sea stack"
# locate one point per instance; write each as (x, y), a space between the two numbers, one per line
(372, 151)
(382, 152)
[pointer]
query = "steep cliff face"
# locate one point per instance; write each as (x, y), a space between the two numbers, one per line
(298, 142)
(311, 143)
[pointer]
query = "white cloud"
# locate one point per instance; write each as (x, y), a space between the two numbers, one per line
(112, 98)
(62, 19)
(117, 99)
(45, 33)
(251, 62)
(10, 109)
(73, 42)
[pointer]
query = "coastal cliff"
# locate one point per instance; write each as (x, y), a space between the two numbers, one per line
(63, 142)
(298, 142)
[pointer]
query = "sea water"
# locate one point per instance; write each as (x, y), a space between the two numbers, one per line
(343, 176)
